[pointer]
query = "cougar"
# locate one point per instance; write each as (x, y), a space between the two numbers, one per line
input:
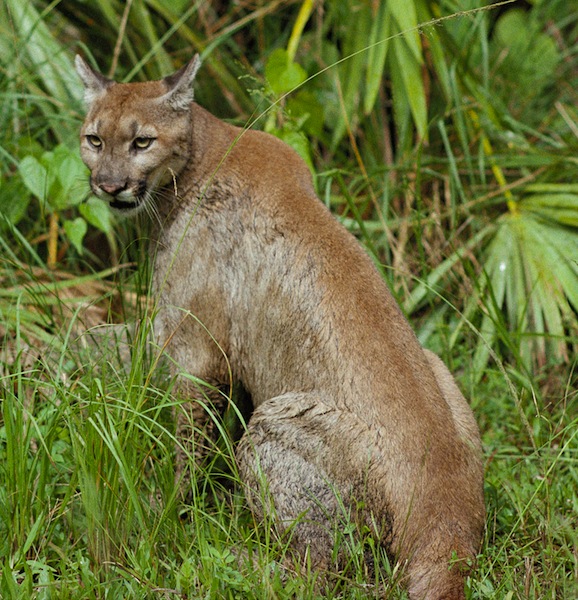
(257, 283)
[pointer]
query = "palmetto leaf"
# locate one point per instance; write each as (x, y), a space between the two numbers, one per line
(559, 207)
(527, 296)
(531, 289)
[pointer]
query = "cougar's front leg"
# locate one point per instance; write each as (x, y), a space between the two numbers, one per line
(197, 415)
(198, 362)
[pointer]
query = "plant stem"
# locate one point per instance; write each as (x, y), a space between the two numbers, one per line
(52, 240)
(302, 18)
(496, 169)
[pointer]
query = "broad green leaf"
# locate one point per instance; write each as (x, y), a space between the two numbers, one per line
(75, 232)
(14, 200)
(55, 177)
(51, 161)
(35, 176)
(72, 174)
(299, 143)
(305, 107)
(516, 290)
(59, 153)
(543, 306)
(282, 74)
(532, 276)
(97, 213)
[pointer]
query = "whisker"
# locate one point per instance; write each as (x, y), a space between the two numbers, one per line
(151, 208)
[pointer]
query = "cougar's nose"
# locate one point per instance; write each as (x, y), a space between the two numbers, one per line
(112, 189)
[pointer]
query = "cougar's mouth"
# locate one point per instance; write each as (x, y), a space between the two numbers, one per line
(123, 205)
(129, 201)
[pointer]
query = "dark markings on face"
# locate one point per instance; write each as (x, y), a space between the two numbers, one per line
(133, 129)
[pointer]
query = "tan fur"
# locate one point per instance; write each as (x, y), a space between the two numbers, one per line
(256, 279)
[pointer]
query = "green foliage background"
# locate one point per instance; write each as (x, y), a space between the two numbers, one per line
(442, 133)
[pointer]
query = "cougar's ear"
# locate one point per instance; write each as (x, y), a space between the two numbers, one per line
(180, 93)
(95, 83)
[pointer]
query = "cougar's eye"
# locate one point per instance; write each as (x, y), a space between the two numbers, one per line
(142, 143)
(94, 141)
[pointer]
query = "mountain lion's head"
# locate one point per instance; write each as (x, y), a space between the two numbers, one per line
(136, 136)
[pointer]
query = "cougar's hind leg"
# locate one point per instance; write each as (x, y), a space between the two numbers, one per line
(306, 464)
(281, 461)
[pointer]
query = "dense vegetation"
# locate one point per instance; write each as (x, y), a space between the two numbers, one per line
(443, 134)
